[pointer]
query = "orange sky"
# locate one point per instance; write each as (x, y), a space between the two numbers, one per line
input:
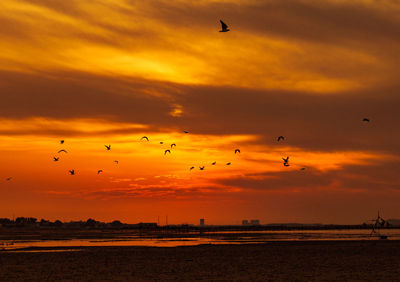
(111, 71)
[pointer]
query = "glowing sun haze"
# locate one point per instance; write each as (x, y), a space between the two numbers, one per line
(104, 72)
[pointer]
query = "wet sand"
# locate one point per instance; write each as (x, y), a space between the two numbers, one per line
(300, 261)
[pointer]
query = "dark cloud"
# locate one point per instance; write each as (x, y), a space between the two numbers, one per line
(156, 192)
(309, 121)
(380, 176)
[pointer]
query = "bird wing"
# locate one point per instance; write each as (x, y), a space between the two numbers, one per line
(224, 26)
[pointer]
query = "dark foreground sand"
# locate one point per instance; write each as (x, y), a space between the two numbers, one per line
(300, 261)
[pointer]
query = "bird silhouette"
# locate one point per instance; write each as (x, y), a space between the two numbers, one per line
(201, 167)
(214, 163)
(172, 145)
(192, 168)
(62, 151)
(228, 163)
(99, 171)
(167, 151)
(72, 172)
(185, 131)
(366, 119)
(61, 141)
(116, 162)
(281, 138)
(144, 137)
(286, 161)
(56, 159)
(8, 178)
(303, 168)
(237, 151)
(224, 27)
(108, 147)
(161, 142)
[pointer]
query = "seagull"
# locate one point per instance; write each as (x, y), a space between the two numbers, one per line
(99, 171)
(108, 147)
(185, 131)
(72, 172)
(281, 138)
(167, 151)
(172, 145)
(9, 178)
(116, 162)
(286, 161)
(237, 151)
(201, 167)
(366, 119)
(62, 151)
(214, 163)
(192, 168)
(224, 27)
(56, 159)
(228, 163)
(144, 137)
(61, 141)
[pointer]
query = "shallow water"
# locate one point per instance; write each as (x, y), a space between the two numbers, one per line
(224, 237)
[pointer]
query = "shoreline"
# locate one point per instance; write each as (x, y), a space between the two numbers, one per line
(289, 260)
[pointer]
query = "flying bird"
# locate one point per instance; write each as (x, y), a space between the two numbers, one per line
(72, 172)
(144, 137)
(108, 147)
(228, 163)
(237, 151)
(201, 167)
(185, 131)
(172, 145)
(99, 171)
(161, 142)
(281, 138)
(366, 119)
(214, 163)
(192, 168)
(61, 141)
(62, 151)
(224, 27)
(116, 162)
(8, 178)
(56, 159)
(303, 168)
(286, 161)
(167, 151)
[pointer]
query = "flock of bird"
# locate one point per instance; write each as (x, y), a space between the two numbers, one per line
(224, 28)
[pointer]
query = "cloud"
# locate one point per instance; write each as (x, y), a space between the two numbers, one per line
(348, 179)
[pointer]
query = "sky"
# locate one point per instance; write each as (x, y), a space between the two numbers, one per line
(103, 72)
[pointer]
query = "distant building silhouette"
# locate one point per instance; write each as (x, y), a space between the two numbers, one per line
(251, 222)
(202, 222)
(254, 222)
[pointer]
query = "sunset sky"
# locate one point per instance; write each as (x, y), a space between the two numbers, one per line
(104, 72)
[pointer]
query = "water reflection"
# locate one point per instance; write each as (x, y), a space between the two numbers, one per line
(192, 239)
